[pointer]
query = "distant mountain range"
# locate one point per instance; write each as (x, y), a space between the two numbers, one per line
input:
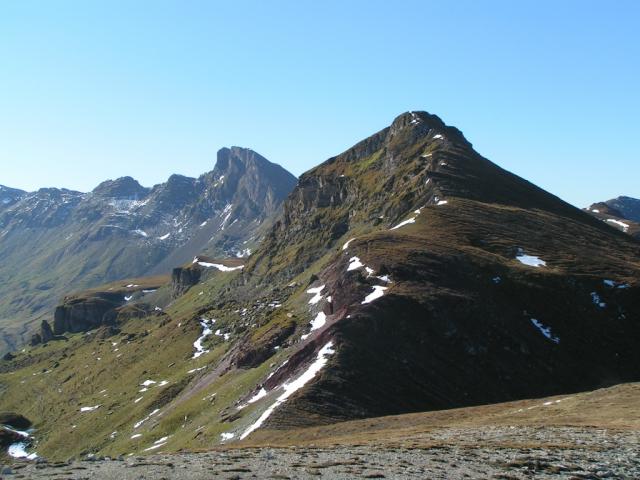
(406, 274)
(54, 241)
(622, 213)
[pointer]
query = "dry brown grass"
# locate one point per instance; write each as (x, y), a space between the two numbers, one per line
(616, 408)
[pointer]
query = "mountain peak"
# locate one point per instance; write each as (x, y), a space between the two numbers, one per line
(121, 188)
(241, 155)
(423, 123)
(234, 162)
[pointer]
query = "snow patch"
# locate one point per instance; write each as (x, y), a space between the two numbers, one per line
(194, 370)
(89, 409)
(137, 424)
(546, 331)
(157, 444)
(354, 263)
(261, 394)
(316, 294)
(219, 266)
(625, 226)
(227, 211)
(316, 323)
(206, 331)
(405, 222)
(530, 260)
(378, 291)
(19, 450)
(595, 298)
(613, 284)
(219, 333)
(293, 386)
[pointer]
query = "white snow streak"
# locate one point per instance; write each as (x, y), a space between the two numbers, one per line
(546, 331)
(89, 409)
(405, 222)
(346, 245)
(292, 387)
(206, 331)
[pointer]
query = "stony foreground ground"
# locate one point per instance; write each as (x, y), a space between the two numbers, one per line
(447, 453)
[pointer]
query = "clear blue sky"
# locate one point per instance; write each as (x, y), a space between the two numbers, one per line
(91, 90)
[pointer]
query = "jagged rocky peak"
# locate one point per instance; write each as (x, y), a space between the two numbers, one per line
(424, 123)
(238, 155)
(242, 175)
(123, 188)
(237, 161)
(418, 161)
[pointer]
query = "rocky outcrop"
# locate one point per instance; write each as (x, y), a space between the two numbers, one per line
(79, 314)
(183, 278)
(46, 332)
(124, 188)
(45, 335)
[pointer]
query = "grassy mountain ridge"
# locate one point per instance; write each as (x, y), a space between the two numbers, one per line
(406, 274)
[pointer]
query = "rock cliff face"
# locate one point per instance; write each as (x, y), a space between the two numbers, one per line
(183, 278)
(62, 240)
(82, 314)
(101, 306)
